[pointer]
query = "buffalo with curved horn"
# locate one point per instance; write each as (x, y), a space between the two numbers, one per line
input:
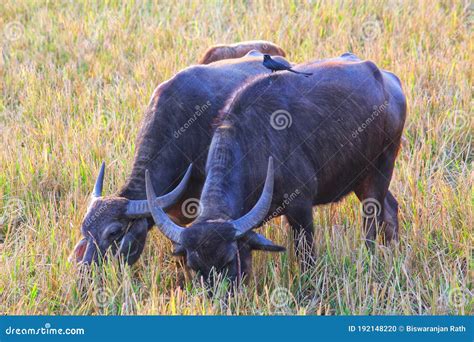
(330, 134)
(197, 242)
(176, 131)
(91, 248)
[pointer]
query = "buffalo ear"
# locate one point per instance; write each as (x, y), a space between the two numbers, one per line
(78, 253)
(261, 243)
(178, 250)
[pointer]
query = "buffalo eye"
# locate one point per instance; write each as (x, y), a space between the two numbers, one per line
(112, 231)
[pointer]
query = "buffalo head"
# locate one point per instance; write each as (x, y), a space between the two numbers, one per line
(222, 246)
(117, 224)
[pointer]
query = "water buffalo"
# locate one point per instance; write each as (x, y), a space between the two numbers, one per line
(176, 131)
(306, 141)
(221, 51)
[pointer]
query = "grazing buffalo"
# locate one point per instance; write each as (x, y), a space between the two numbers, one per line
(285, 143)
(175, 132)
(237, 50)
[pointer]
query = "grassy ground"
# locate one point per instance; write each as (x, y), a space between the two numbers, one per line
(76, 78)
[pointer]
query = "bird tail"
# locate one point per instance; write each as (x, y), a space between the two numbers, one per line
(301, 73)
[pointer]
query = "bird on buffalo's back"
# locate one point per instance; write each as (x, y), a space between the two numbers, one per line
(273, 65)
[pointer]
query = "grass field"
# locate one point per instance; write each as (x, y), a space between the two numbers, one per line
(75, 80)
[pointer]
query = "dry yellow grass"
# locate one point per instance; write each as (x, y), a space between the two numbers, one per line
(76, 78)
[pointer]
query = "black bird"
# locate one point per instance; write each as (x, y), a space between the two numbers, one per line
(273, 65)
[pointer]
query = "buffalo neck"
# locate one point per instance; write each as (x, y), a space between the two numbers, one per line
(222, 195)
(164, 152)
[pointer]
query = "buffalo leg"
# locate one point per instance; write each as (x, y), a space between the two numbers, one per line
(390, 218)
(372, 192)
(300, 219)
(372, 207)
